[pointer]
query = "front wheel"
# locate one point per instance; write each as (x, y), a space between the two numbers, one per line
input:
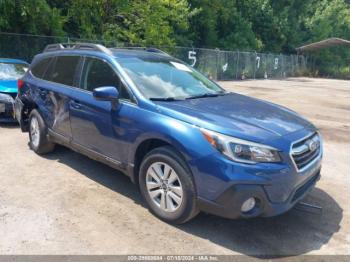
(38, 140)
(167, 186)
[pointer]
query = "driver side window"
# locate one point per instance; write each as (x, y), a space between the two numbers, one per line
(97, 73)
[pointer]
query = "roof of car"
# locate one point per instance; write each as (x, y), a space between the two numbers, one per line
(11, 60)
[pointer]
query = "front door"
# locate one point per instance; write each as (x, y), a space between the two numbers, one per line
(92, 121)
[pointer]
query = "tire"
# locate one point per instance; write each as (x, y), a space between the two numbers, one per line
(38, 138)
(174, 199)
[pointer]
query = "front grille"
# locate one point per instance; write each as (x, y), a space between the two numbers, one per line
(306, 150)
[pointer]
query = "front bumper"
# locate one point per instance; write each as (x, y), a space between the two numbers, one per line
(229, 203)
(7, 109)
(223, 185)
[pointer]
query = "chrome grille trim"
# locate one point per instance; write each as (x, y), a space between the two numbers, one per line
(300, 150)
(300, 153)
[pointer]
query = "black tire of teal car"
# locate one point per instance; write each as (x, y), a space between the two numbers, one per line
(38, 138)
(184, 211)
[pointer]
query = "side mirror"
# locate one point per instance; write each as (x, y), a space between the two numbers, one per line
(107, 93)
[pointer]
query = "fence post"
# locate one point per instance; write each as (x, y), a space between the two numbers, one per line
(237, 64)
(282, 68)
(255, 63)
(217, 64)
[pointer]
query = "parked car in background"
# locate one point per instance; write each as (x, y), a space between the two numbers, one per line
(11, 70)
(188, 144)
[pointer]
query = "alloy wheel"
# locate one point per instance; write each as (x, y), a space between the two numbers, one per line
(34, 131)
(164, 187)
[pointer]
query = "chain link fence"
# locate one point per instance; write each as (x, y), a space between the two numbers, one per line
(214, 63)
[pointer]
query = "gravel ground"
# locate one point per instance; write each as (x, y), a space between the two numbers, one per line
(65, 203)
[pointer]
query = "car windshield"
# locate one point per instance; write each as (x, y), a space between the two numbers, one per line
(11, 71)
(168, 79)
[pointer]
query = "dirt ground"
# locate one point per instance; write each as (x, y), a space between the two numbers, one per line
(65, 203)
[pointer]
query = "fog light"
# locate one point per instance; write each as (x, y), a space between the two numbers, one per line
(248, 205)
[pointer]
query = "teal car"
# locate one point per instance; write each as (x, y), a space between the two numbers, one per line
(11, 70)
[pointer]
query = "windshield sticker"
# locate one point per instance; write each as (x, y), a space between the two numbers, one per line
(181, 67)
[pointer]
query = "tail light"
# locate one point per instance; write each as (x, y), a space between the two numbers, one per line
(20, 84)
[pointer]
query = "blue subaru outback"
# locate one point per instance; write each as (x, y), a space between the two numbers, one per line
(188, 144)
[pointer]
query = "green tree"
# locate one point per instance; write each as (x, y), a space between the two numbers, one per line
(265, 23)
(219, 23)
(150, 22)
(30, 16)
(331, 19)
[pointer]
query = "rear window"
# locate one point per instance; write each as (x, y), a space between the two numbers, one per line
(12, 71)
(64, 70)
(39, 69)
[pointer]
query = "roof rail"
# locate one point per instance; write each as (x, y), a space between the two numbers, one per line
(147, 49)
(77, 46)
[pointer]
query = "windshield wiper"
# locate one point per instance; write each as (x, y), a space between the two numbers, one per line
(206, 95)
(170, 98)
(165, 99)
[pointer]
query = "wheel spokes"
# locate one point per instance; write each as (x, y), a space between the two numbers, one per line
(175, 197)
(162, 201)
(33, 127)
(172, 178)
(169, 203)
(164, 186)
(34, 131)
(155, 193)
(167, 171)
(152, 185)
(154, 175)
(158, 171)
(177, 190)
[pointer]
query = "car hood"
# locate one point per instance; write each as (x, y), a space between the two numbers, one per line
(8, 86)
(237, 115)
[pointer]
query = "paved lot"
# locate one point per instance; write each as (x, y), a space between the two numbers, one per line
(65, 203)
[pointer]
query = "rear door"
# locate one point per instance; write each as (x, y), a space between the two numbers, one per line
(53, 93)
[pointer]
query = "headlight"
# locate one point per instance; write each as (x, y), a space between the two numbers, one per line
(240, 150)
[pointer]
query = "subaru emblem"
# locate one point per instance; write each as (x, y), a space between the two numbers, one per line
(312, 144)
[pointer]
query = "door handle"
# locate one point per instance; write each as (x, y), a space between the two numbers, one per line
(43, 92)
(76, 104)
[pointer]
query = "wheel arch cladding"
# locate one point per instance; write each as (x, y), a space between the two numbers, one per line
(147, 146)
